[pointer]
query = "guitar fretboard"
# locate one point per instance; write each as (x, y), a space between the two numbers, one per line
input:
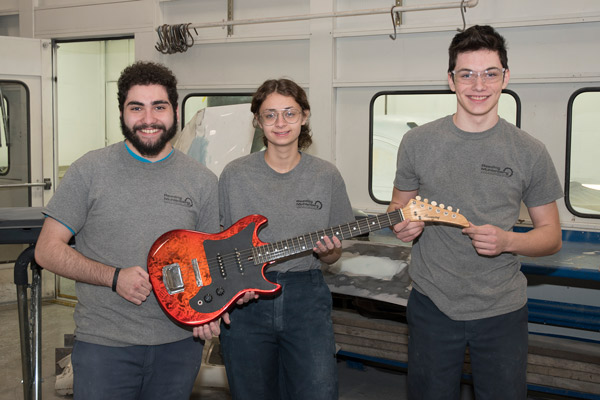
(274, 251)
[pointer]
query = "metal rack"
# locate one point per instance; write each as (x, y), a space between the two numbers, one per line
(22, 225)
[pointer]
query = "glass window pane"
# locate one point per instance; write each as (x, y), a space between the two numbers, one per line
(87, 73)
(583, 177)
(3, 134)
(395, 113)
(218, 129)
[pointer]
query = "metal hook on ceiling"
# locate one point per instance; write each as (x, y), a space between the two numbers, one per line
(174, 38)
(394, 16)
(463, 10)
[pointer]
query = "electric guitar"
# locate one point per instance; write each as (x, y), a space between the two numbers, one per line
(197, 276)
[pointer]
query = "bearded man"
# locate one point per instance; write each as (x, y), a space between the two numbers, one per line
(116, 201)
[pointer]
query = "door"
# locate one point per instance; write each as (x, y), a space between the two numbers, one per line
(26, 145)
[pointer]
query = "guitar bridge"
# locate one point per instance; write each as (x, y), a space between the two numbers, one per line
(172, 278)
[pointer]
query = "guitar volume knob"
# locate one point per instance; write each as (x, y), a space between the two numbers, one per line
(208, 298)
(220, 291)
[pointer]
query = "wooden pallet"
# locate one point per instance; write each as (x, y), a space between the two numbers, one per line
(552, 362)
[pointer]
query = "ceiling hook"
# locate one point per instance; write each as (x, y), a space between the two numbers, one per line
(393, 37)
(463, 10)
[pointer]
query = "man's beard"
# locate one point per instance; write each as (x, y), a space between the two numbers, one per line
(149, 149)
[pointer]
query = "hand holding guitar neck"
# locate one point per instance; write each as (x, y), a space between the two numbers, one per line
(413, 224)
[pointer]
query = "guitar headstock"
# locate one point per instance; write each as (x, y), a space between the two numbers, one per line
(421, 210)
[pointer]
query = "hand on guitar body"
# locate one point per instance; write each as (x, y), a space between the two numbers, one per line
(213, 328)
(133, 284)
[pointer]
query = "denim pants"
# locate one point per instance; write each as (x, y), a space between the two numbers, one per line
(436, 350)
(160, 372)
(282, 347)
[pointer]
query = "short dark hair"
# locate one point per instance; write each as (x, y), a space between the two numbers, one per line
(477, 37)
(147, 73)
(285, 87)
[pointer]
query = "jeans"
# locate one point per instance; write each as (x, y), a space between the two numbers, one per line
(436, 351)
(160, 372)
(282, 347)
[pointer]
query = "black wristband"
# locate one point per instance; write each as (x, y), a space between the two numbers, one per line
(115, 278)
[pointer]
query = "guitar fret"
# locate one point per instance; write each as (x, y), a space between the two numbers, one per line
(302, 243)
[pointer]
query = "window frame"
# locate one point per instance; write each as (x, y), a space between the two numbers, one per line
(570, 103)
(28, 133)
(201, 94)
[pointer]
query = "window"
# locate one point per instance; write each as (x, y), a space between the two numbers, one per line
(86, 73)
(392, 114)
(218, 129)
(582, 188)
(4, 139)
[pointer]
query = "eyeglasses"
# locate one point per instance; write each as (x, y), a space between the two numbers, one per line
(290, 115)
(490, 75)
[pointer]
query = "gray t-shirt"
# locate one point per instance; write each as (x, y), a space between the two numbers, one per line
(310, 197)
(486, 175)
(117, 206)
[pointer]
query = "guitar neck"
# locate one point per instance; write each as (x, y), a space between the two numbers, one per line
(275, 251)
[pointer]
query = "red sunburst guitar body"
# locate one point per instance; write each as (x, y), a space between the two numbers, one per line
(197, 276)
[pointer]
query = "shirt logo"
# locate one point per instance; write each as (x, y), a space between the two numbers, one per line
(313, 205)
(498, 171)
(178, 200)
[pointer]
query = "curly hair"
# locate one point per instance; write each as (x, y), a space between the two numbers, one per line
(477, 37)
(147, 73)
(285, 87)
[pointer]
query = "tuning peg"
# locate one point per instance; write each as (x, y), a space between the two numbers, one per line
(418, 198)
(434, 203)
(449, 208)
(441, 206)
(425, 200)
(458, 210)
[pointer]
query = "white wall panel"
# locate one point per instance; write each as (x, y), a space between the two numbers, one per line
(380, 59)
(99, 20)
(209, 11)
(240, 65)
(15, 50)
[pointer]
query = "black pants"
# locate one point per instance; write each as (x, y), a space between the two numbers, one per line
(436, 350)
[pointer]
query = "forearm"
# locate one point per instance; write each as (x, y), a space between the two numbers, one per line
(57, 256)
(546, 236)
(537, 242)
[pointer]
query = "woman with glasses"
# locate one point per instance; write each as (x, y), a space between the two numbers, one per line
(282, 346)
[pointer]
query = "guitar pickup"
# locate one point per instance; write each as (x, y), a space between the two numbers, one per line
(197, 272)
(172, 278)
